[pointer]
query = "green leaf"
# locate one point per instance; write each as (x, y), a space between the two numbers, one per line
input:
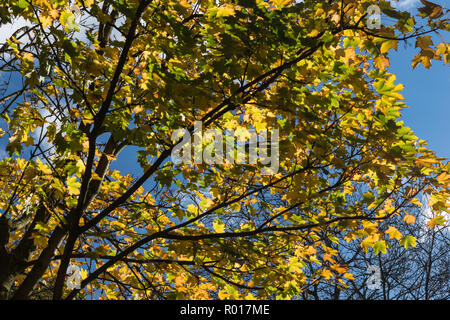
(69, 47)
(23, 4)
(380, 246)
(408, 241)
(68, 21)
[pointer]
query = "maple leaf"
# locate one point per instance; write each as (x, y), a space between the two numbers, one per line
(73, 185)
(225, 11)
(393, 233)
(438, 220)
(408, 241)
(409, 219)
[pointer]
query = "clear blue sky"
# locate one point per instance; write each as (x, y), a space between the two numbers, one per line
(427, 93)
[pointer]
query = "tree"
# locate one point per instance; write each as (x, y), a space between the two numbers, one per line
(419, 272)
(92, 83)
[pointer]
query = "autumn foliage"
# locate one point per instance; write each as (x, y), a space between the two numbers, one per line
(96, 90)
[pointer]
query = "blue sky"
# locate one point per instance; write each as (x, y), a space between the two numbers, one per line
(427, 93)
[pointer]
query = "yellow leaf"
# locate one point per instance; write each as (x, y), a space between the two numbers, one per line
(340, 268)
(314, 259)
(110, 157)
(225, 11)
(314, 33)
(44, 168)
(326, 274)
(310, 250)
(416, 202)
(441, 48)
(219, 226)
(54, 13)
(88, 3)
(349, 276)
(46, 21)
(73, 186)
(184, 4)
(83, 274)
(28, 57)
(444, 178)
(192, 208)
(393, 233)
(436, 221)
(409, 219)
(95, 176)
(119, 225)
(381, 62)
(327, 257)
(387, 45)
(422, 58)
(222, 294)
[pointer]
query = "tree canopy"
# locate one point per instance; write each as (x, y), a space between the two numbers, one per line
(89, 88)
